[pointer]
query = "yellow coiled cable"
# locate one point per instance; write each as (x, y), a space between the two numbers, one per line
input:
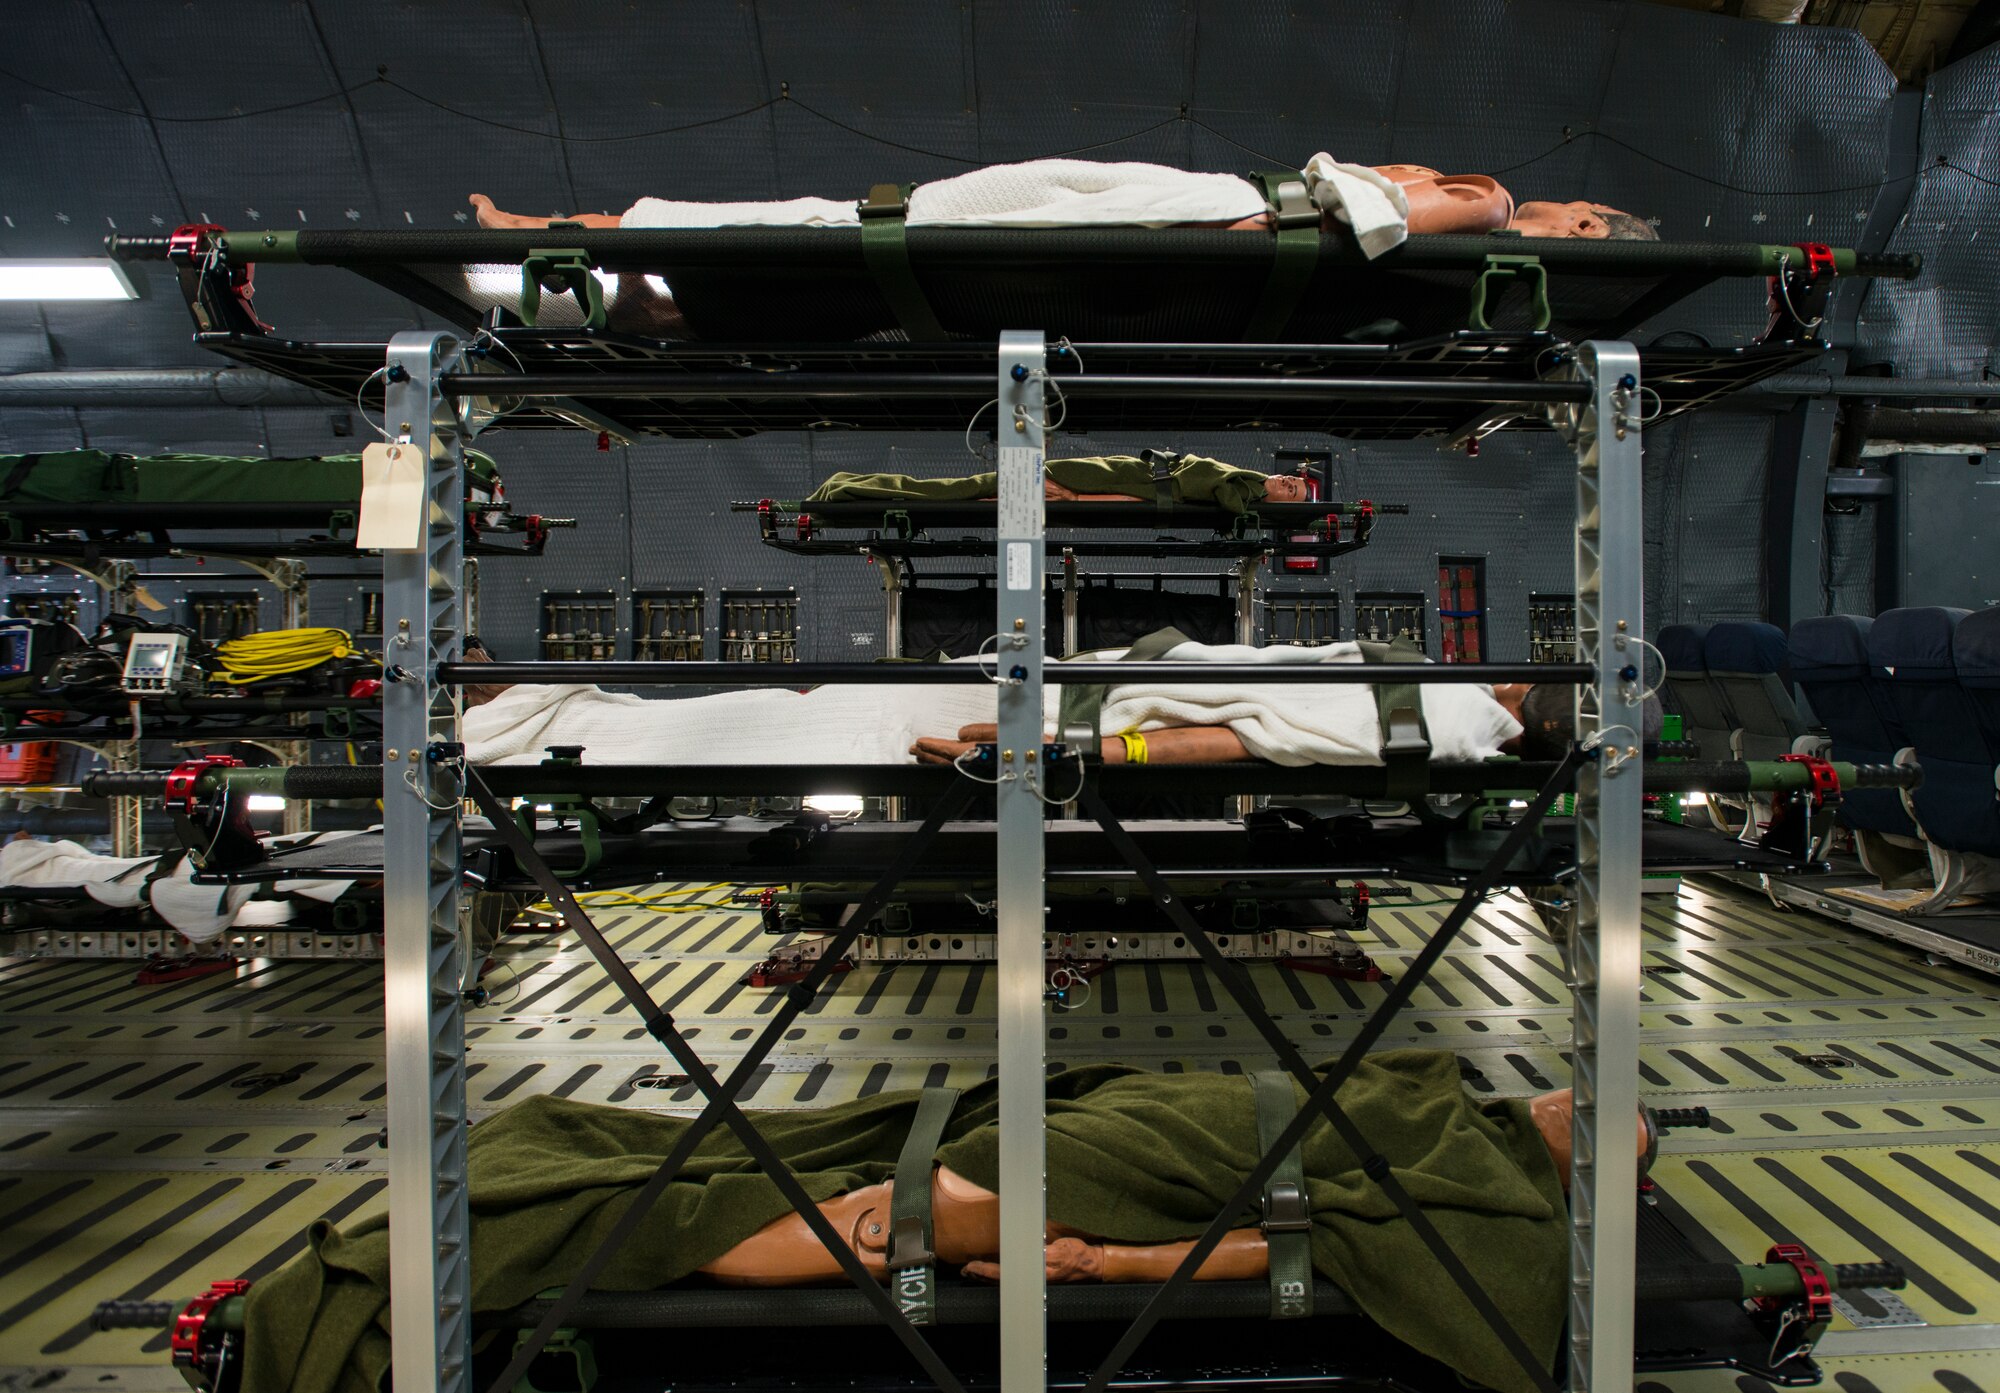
(280, 653)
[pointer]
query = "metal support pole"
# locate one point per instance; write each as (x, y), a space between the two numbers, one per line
(1018, 917)
(892, 643)
(1246, 634)
(1070, 583)
(469, 595)
(128, 815)
(289, 576)
(120, 582)
(1604, 950)
(429, 1261)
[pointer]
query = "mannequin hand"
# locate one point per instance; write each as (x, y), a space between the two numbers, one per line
(1063, 1260)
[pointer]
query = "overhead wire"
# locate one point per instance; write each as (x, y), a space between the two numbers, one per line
(1183, 115)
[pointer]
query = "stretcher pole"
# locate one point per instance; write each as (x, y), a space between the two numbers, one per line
(1604, 947)
(424, 961)
(1019, 423)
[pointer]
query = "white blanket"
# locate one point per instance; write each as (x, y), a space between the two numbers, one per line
(1072, 193)
(198, 912)
(1286, 723)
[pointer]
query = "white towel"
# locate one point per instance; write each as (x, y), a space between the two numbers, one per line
(1373, 204)
(846, 724)
(198, 912)
(1075, 193)
(1286, 723)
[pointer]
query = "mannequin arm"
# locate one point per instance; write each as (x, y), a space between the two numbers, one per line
(1241, 1256)
(1174, 745)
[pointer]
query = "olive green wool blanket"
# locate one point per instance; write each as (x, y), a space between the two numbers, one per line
(1134, 1157)
(1195, 481)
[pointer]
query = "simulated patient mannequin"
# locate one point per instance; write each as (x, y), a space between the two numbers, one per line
(1439, 203)
(1191, 744)
(966, 1231)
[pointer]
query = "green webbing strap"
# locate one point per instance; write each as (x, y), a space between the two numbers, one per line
(1406, 739)
(1295, 221)
(1287, 1222)
(1082, 704)
(18, 475)
(912, 1264)
(887, 254)
(1163, 464)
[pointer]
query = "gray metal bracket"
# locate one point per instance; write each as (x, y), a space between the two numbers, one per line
(1605, 943)
(424, 963)
(1020, 424)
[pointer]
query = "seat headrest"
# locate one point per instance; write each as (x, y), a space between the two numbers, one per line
(1680, 645)
(1821, 645)
(1740, 646)
(1915, 642)
(1975, 648)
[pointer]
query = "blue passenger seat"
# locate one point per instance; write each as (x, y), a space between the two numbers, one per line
(1829, 660)
(1746, 663)
(1975, 650)
(1956, 806)
(1705, 715)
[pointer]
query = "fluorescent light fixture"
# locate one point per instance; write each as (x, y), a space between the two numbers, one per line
(836, 804)
(68, 278)
(266, 803)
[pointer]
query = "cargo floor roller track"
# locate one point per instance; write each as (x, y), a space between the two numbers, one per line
(153, 1138)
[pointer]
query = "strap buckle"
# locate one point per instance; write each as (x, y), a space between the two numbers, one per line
(1403, 732)
(1285, 1209)
(1291, 205)
(908, 1246)
(885, 201)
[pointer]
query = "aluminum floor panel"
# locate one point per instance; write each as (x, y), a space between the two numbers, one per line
(152, 1138)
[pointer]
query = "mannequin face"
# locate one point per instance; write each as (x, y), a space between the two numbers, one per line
(1285, 488)
(1562, 220)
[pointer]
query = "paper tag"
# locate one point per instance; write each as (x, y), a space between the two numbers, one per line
(1022, 572)
(1021, 491)
(392, 498)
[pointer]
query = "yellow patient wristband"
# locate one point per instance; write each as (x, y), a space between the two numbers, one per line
(1135, 746)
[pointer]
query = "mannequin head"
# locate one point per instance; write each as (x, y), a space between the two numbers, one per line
(1285, 488)
(1592, 221)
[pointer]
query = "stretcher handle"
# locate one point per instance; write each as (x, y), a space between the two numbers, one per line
(1728, 1281)
(305, 781)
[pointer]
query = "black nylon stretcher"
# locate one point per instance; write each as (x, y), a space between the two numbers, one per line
(721, 1106)
(1322, 1091)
